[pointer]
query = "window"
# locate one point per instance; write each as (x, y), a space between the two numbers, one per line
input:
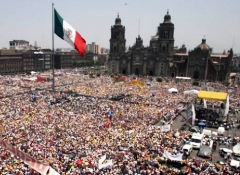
(166, 34)
(164, 49)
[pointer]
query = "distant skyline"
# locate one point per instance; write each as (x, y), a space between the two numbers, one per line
(217, 20)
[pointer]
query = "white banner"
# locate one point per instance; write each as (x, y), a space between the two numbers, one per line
(193, 115)
(204, 103)
(105, 164)
(101, 159)
(52, 172)
(227, 106)
(165, 128)
(177, 157)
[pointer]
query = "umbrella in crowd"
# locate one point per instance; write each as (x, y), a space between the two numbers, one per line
(201, 124)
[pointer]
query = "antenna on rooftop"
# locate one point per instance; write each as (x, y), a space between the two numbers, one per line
(35, 44)
(138, 27)
(43, 41)
(233, 41)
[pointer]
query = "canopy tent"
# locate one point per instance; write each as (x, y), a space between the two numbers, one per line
(191, 92)
(210, 95)
(217, 96)
(172, 90)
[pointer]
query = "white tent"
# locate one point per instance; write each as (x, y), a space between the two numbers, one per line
(236, 148)
(234, 163)
(191, 92)
(33, 72)
(172, 90)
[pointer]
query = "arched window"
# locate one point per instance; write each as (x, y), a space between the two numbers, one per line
(136, 71)
(164, 49)
(150, 73)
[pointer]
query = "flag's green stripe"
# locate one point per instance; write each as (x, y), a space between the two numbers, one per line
(58, 24)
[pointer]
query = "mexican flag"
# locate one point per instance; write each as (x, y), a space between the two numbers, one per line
(69, 34)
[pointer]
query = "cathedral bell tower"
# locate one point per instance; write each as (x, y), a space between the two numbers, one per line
(165, 48)
(117, 45)
(117, 41)
(166, 36)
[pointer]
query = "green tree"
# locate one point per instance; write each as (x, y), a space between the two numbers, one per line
(159, 79)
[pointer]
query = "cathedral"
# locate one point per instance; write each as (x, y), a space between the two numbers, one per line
(162, 59)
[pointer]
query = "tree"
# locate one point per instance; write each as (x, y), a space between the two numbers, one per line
(159, 79)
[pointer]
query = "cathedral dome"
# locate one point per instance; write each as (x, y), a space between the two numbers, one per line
(118, 20)
(203, 45)
(167, 18)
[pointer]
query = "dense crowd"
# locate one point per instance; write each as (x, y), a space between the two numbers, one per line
(72, 128)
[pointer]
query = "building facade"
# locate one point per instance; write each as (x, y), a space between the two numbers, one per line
(15, 61)
(161, 58)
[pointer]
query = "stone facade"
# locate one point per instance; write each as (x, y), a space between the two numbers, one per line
(161, 58)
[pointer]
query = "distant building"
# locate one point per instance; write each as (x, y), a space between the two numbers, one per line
(104, 51)
(161, 58)
(93, 48)
(19, 45)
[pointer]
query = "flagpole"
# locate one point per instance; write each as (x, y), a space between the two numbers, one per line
(53, 81)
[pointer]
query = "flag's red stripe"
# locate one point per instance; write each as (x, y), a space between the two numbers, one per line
(80, 44)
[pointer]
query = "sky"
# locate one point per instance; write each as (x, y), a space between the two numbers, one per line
(31, 20)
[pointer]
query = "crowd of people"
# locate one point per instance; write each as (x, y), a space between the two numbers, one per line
(75, 126)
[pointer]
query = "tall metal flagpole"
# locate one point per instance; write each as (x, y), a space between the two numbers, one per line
(53, 81)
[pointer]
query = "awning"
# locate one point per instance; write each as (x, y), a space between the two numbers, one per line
(210, 95)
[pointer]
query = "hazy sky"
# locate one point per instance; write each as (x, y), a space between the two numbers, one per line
(31, 20)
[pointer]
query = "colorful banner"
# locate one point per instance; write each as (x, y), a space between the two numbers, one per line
(31, 162)
(138, 83)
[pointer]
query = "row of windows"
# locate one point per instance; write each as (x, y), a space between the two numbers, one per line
(10, 64)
